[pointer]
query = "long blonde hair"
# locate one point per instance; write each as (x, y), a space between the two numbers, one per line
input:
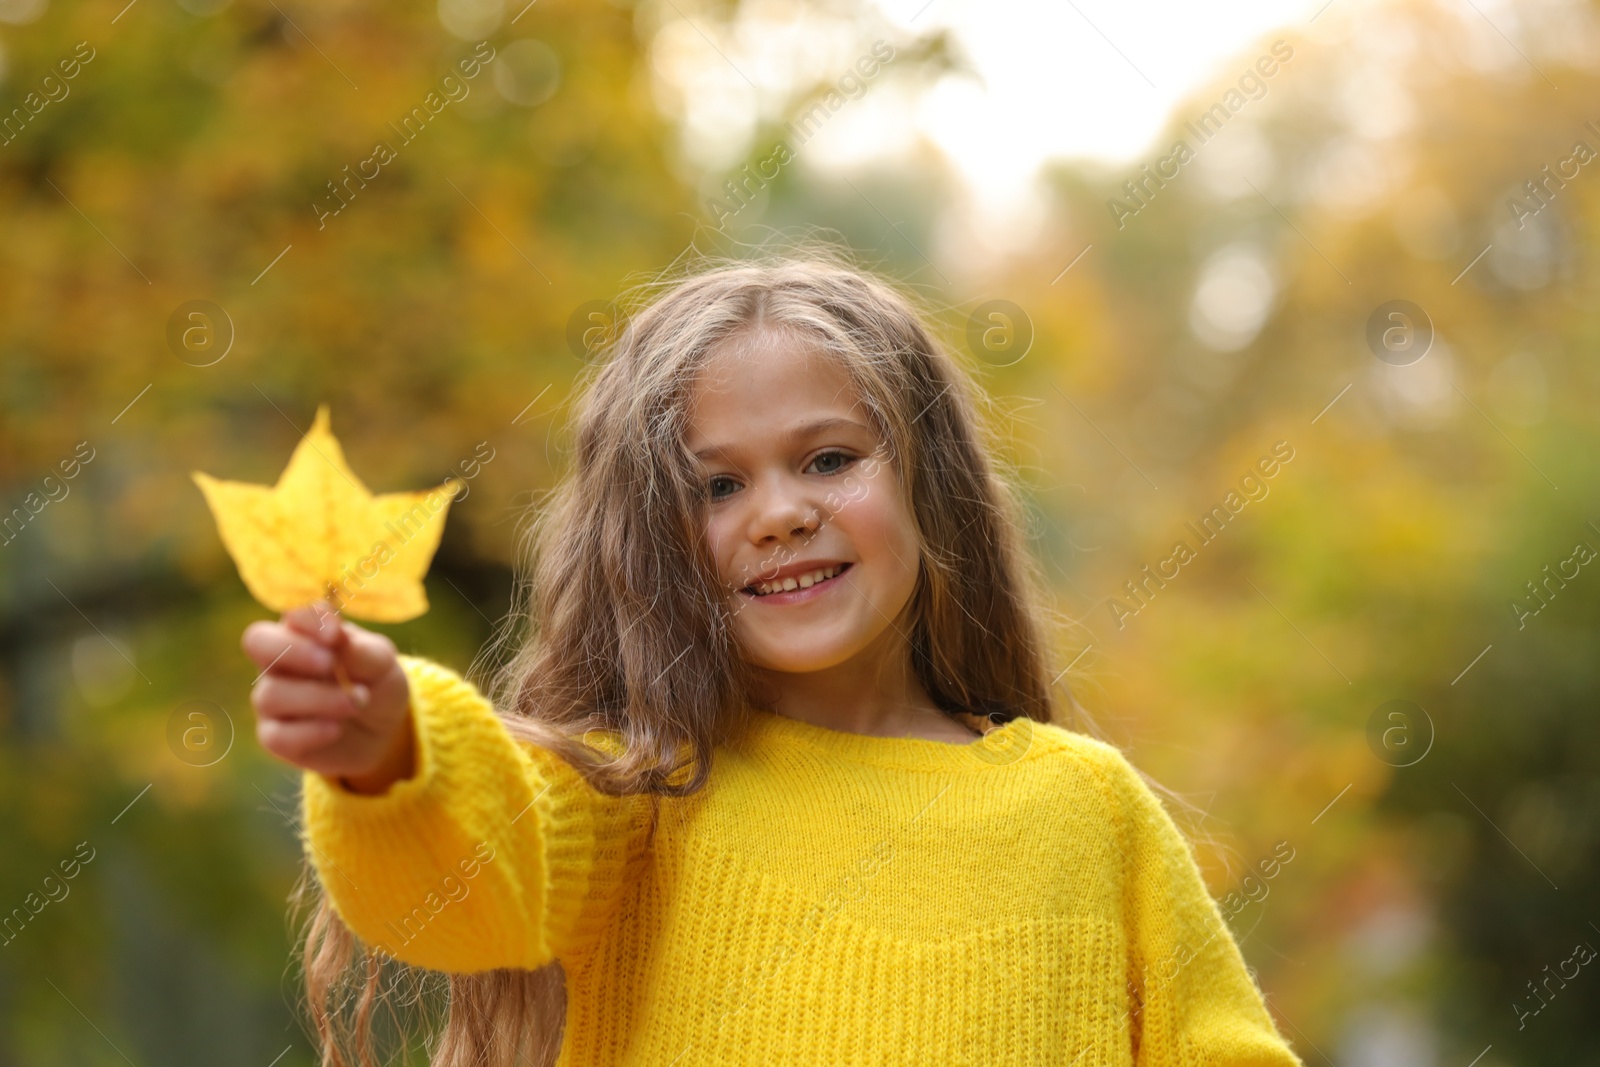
(613, 636)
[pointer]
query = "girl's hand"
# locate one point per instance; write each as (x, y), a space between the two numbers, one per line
(362, 736)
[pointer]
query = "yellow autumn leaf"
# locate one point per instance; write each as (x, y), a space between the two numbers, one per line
(320, 533)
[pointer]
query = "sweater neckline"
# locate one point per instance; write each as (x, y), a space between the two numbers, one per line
(1000, 744)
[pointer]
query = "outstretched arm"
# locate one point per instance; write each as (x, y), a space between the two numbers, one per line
(439, 839)
(493, 853)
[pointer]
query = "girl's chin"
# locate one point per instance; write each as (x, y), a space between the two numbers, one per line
(793, 660)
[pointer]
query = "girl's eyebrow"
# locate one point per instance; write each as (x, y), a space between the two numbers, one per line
(799, 433)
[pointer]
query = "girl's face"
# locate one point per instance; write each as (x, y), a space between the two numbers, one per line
(797, 482)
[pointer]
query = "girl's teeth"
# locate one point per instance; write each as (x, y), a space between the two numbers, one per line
(805, 581)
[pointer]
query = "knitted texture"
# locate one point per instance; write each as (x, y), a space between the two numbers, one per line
(827, 898)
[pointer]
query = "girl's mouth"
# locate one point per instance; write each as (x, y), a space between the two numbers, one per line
(795, 590)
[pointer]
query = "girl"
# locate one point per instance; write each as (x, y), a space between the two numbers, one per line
(776, 778)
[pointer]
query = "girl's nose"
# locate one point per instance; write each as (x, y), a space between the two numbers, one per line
(784, 512)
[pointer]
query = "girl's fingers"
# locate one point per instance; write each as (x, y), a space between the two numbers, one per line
(297, 740)
(316, 620)
(281, 696)
(275, 647)
(367, 656)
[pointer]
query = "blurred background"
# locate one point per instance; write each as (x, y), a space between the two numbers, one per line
(1310, 289)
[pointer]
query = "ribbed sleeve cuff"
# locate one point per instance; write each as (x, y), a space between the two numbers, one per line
(479, 860)
(437, 704)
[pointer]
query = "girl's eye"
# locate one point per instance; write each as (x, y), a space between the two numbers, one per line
(825, 457)
(830, 462)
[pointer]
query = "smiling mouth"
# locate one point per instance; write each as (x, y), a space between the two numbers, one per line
(803, 584)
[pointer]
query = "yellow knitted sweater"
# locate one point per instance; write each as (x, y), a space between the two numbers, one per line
(827, 898)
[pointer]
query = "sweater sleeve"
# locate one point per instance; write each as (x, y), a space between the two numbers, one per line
(1193, 1000)
(495, 853)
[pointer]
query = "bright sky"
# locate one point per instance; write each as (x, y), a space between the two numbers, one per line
(1077, 78)
(1074, 79)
